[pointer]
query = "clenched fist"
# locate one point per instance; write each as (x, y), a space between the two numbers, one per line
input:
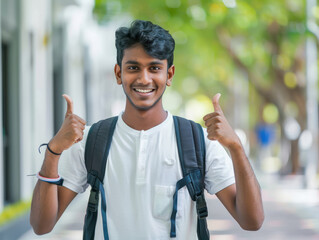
(71, 131)
(218, 127)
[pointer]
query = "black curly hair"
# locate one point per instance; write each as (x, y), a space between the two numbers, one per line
(156, 41)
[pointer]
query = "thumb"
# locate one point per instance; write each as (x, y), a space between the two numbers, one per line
(217, 107)
(69, 102)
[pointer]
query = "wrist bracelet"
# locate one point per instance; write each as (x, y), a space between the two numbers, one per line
(46, 144)
(58, 181)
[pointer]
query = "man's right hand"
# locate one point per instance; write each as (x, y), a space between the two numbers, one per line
(71, 131)
(50, 201)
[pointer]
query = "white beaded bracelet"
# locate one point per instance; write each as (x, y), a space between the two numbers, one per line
(57, 181)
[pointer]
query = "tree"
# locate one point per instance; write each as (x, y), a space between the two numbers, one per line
(263, 39)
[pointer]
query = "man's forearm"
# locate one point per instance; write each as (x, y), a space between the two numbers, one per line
(49, 201)
(249, 206)
(44, 206)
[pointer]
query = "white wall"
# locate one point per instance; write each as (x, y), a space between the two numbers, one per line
(75, 20)
(36, 123)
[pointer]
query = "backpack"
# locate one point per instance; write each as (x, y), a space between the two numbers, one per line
(191, 150)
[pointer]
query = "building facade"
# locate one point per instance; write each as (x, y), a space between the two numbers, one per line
(49, 48)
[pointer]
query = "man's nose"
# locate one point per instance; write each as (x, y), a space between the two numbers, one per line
(144, 77)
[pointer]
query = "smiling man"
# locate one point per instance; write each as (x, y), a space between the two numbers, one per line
(143, 164)
(144, 79)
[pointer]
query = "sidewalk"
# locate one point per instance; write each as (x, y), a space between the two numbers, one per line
(69, 227)
(282, 221)
(290, 213)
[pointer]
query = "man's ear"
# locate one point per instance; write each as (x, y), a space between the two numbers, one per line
(170, 75)
(117, 72)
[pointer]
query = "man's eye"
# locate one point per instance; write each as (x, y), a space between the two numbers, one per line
(155, 68)
(132, 67)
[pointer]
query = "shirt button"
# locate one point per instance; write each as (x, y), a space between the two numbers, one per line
(169, 161)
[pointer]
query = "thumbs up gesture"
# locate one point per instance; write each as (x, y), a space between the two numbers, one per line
(71, 131)
(218, 127)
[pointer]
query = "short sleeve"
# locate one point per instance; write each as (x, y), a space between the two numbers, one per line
(72, 166)
(219, 167)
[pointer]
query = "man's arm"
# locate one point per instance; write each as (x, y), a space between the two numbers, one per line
(49, 200)
(48, 203)
(242, 199)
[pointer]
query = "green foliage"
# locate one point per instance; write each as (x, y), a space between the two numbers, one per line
(264, 39)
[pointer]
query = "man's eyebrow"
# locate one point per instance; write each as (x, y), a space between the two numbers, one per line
(131, 62)
(156, 63)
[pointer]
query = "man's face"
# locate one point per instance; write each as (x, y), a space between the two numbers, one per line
(143, 77)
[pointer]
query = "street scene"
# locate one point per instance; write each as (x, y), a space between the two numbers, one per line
(250, 67)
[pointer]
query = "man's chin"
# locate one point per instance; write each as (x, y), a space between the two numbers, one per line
(143, 108)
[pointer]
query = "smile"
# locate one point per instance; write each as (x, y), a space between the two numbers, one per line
(143, 90)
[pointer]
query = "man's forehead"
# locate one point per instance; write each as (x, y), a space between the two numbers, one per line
(137, 55)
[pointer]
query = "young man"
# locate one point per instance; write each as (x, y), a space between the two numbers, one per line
(143, 163)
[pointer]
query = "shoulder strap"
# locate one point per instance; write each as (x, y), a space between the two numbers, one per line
(97, 147)
(96, 152)
(191, 145)
(192, 153)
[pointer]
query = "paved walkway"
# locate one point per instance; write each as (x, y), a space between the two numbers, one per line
(283, 220)
(290, 213)
(69, 227)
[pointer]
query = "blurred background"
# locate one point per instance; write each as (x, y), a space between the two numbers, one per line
(262, 56)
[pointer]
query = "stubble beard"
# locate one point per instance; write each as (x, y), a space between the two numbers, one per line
(143, 108)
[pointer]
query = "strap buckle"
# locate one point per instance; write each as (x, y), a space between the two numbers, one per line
(93, 201)
(201, 206)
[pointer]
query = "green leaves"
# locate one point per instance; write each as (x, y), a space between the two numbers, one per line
(263, 39)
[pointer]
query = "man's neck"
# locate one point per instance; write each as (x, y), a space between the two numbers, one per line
(143, 120)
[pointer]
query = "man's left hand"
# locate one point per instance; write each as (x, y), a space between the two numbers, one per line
(218, 127)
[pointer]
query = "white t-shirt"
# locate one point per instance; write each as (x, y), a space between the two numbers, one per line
(140, 178)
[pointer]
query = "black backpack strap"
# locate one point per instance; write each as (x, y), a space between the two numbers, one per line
(191, 150)
(96, 152)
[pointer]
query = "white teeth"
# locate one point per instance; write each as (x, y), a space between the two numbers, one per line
(143, 90)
